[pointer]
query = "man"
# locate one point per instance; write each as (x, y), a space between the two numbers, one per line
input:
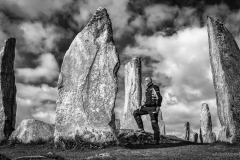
(151, 105)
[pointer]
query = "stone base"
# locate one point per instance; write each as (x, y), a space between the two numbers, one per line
(209, 138)
(87, 135)
(222, 136)
(131, 137)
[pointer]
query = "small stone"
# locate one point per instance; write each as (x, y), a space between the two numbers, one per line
(118, 125)
(206, 125)
(31, 130)
(195, 137)
(187, 130)
(161, 123)
(200, 136)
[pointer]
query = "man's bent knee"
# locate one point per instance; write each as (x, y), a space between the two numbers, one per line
(135, 113)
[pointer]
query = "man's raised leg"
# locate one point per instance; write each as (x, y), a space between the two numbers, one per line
(137, 116)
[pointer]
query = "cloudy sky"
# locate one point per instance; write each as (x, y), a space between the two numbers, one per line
(170, 37)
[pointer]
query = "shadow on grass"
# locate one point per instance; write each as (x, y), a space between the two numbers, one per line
(225, 144)
(161, 145)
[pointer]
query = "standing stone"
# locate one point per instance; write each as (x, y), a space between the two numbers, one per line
(133, 92)
(87, 84)
(206, 125)
(7, 89)
(225, 64)
(161, 123)
(187, 131)
(195, 137)
(200, 136)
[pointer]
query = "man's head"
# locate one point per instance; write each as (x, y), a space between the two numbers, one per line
(148, 80)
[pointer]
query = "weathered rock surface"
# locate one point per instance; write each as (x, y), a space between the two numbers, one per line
(31, 130)
(87, 84)
(187, 131)
(133, 93)
(225, 64)
(131, 137)
(161, 123)
(7, 89)
(206, 125)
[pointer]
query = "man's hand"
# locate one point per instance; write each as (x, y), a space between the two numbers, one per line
(157, 110)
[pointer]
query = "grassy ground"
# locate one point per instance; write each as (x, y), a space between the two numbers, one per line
(147, 152)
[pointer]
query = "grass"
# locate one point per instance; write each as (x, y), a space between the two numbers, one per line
(163, 151)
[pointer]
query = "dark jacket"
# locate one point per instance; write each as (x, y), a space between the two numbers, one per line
(152, 96)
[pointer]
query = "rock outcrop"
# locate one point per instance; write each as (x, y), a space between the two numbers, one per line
(225, 64)
(206, 125)
(187, 131)
(87, 84)
(7, 89)
(131, 137)
(32, 131)
(161, 123)
(133, 93)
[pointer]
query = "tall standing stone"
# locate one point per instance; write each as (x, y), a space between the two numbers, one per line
(87, 84)
(206, 125)
(7, 89)
(133, 93)
(161, 123)
(225, 64)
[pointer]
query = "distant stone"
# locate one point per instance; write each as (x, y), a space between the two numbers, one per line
(118, 123)
(162, 127)
(195, 137)
(161, 123)
(87, 84)
(133, 93)
(7, 89)
(31, 130)
(206, 125)
(187, 130)
(200, 136)
(225, 64)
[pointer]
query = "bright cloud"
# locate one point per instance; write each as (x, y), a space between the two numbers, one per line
(33, 8)
(36, 102)
(117, 11)
(39, 38)
(47, 71)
